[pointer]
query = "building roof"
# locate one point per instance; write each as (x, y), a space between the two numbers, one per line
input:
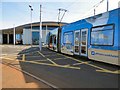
(48, 23)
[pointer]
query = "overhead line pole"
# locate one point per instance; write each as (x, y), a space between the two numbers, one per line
(107, 5)
(59, 16)
(14, 35)
(31, 9)
(40, 32)
(59, 29)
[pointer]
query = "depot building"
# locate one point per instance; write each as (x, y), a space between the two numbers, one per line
(26, 35)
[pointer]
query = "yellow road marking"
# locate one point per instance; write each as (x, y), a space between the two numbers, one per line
(81, 63)
(108, 71)
(117, 71)
(61, 66)
(53, 65)
(40, 60)
(23, 57)
(102, 69)
(59, 58)
(41, 54)
(48, 58)
(52, 61)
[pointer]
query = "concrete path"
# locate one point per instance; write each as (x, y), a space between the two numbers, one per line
(12, 78)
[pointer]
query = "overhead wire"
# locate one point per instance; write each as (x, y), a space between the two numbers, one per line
(91, 9)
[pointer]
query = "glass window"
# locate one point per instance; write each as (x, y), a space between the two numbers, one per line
(51, 28)
(103, 36)
(35, 38)
(84, 33)
(77, 38)
(68, 39)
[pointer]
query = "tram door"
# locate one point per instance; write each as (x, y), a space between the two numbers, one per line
(83, 44)
(76, 42)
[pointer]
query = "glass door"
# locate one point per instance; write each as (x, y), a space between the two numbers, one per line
(76, 42)
(83, 43)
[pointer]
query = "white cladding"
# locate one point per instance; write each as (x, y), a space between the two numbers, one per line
(27, 36)
(1, 38)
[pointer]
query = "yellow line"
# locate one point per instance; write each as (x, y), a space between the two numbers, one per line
(72, 58)
(59, 58)
(41, 54)
(41, 60)
(54, 65)
(63, 66)
(48, 59)
(23, 57)
(52, 61)
(108, 71)
(102, 69)
(81, 63)
(117, 71)
(85, 63)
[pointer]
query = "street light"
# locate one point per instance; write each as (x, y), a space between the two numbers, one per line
(31, 9)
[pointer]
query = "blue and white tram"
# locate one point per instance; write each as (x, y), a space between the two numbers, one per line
(96, 37)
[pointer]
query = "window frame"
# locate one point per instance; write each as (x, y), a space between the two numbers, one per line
(113, 28)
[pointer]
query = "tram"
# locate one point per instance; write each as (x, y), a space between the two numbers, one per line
(96, 37)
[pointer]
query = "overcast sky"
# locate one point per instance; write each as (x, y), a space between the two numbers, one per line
(17, 12)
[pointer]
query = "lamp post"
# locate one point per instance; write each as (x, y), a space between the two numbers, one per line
(31, 9)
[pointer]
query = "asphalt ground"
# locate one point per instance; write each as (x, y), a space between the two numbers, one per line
(63, 71)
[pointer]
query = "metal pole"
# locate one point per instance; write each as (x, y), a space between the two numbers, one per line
(46, 35)
(31, 26)
(40, 32)
(31, 22)
(8, 38)
(14, 35)
(59, 16)
(94, 12)
(107, 5)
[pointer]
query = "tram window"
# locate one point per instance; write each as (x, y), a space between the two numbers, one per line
(84, 38)
(68, 39)
(77, 38)
(102, 35)
(83, 49)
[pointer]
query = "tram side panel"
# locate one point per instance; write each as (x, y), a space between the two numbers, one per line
(67, 38)
(119, 35)
(104, 40)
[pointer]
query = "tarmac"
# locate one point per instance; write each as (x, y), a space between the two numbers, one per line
(57, 70)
